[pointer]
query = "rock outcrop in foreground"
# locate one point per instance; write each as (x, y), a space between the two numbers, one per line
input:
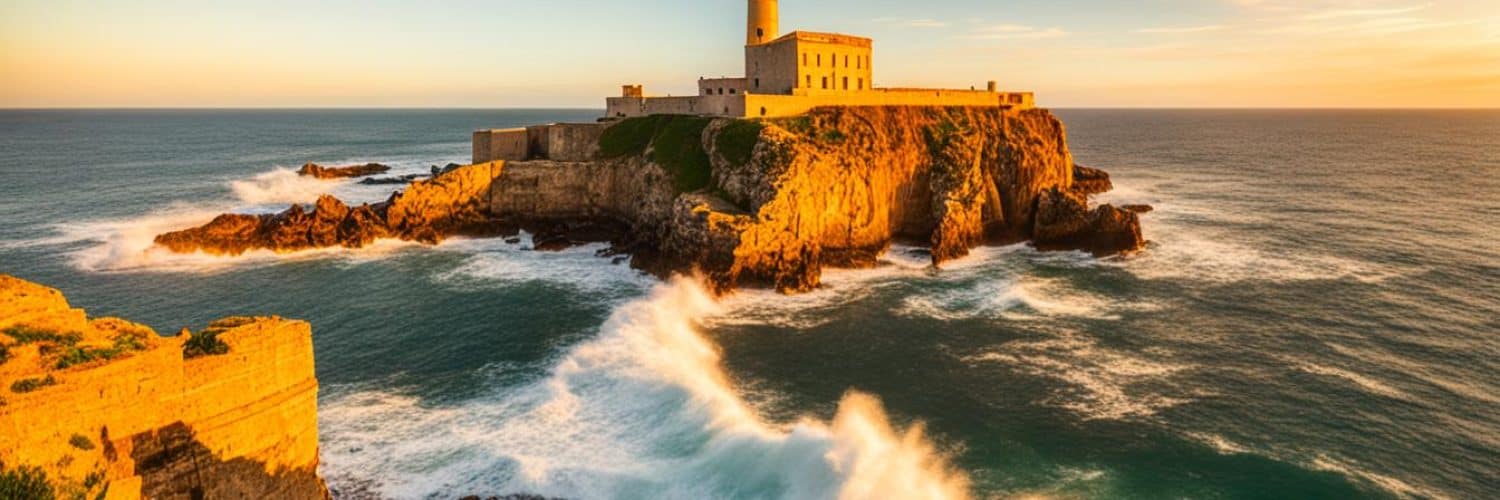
(748, 203)
(106, 408)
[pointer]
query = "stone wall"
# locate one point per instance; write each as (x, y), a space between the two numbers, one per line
(500, 144)
(557, 141)
(152, 424)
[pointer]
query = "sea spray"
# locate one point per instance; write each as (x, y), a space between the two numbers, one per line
(644, 410)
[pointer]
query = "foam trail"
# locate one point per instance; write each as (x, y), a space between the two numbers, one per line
(282, 186)
(642, 411)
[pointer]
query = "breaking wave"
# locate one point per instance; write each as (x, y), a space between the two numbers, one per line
(642, 411)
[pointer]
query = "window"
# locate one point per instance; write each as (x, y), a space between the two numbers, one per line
(760, 34)
(846, 83)
(825, 83)
(762, 111)
(846, 61)
(804, 59)
(757, 83)
(731, 91)
(861, 83)
(809, 81)
(859, 62)
(820, 60)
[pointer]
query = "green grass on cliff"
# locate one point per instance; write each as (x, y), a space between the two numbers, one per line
(25, 483)
(675, 141)
(736, 142)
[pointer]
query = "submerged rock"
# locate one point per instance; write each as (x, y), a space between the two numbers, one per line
(321, 172)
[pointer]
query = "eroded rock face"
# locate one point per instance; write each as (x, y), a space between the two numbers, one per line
(124, 413)
(1065, 222)
(455, 203)
(321, 172)
(786, 197)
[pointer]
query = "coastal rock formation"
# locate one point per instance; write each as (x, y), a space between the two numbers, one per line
(321, 172)
(455, 203)
(106, 408)
(757, 203)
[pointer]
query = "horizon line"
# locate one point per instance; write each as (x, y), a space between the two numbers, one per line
(588, 108)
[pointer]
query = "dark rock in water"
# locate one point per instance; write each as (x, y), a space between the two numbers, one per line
(321, 172)
(513, 241)
(551, 236)
(447, 168)
(1140, 209)
(405, 179)
(1064, 222)
(1089, 181)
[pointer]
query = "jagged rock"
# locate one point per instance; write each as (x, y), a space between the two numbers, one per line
(321, 172)
(775, 201)
(383, 181)
(1090, 181)
(1064, 222)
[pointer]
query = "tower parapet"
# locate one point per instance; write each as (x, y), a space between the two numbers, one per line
(764, 22)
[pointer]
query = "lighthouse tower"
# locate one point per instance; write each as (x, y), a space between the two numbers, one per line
(763, 24)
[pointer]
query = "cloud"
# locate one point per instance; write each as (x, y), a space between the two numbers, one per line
(1185, 29)
(911, 23)
(1017, 32)
(1347, 13)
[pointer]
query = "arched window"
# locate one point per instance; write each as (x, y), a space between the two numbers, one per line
(762, 111)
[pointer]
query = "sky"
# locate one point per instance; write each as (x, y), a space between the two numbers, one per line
(572, 53)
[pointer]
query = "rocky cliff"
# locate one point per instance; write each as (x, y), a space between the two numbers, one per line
(759, 203)
(106, 408)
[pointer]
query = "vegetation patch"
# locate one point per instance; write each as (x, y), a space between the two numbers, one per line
(833, 136)
(4, 353)
(207, 342)
(800, 125)
(124, 343)
(27, 335)
(736, 142)
(81, 442)
(675, 141)
(25, 483)
(31, 384)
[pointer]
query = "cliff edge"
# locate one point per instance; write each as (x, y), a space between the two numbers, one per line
(106, 408)
(747, 202)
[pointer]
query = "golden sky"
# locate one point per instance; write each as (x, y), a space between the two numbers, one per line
(498, 53)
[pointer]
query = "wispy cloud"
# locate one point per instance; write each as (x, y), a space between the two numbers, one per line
(1348, 13)
(1183, 29)
(1017, 32)
(911, 23)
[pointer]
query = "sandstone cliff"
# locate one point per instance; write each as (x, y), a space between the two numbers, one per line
(760, 203)
(105, 408)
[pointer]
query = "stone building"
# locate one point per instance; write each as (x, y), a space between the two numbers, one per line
(787, 75)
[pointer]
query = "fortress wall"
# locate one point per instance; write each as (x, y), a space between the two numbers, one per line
(500, 144)
(570, 141)
(720, 105)
(628, 189)
(758, 105)
(242, 424)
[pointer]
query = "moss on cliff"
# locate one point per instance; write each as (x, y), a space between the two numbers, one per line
(675, 143)
(25, 483)
(736, 142)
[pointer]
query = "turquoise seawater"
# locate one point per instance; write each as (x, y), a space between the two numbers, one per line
(1317, 316)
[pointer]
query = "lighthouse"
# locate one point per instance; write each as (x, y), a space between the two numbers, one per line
(763, 22)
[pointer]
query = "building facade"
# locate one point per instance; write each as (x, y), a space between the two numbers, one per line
(787, 75)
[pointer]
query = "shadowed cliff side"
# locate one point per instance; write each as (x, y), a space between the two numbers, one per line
(746, 202)
(105, 408)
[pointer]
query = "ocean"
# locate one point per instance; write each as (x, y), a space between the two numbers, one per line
(1317, 316)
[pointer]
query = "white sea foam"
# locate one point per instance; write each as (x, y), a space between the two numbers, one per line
(494, 262)
(281, 186)
(1102, 383)
(1018, 298)
(642, 411)
(1400, 488)
(1367, 383)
